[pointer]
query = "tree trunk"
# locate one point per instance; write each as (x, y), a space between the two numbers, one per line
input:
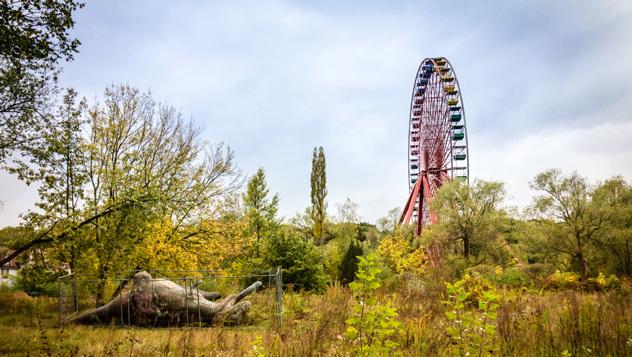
(583, 267)
(100, 295)
(466, 247)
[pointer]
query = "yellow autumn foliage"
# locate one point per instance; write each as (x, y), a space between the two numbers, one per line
(210, 245)
(400, 256)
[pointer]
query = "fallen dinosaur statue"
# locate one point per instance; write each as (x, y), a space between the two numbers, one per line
(161, 302)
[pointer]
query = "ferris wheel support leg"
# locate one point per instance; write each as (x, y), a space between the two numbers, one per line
(420, 221)
(410, 204)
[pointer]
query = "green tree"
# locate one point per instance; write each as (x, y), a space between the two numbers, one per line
(146, 170)
(574, 220)
(61, 177)
(367, 232)
(35, 40)
(614, 240)
(61, 190)
(388, 223)
(318, 209)
(145, 159)
(299, 258)
(14, 237)
(340, 237)
(469, 215)
(260, 210)
(350, 260)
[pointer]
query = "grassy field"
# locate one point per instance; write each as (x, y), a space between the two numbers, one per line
(529, 323)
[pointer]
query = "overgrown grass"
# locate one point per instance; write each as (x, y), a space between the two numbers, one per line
(529, 323)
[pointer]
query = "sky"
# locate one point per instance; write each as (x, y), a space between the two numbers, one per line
(545, 84)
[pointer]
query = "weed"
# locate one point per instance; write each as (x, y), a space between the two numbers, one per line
(373, 327)
(472, 328)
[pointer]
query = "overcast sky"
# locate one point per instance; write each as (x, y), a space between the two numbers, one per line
(545, 84)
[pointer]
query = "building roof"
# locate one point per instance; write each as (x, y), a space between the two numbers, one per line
(11, 264)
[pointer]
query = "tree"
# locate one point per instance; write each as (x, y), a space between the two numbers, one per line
(59, 162)
(148, 179)
(614, 198)
(366, 232)
(349, 264)
(566, 202)
(318, 210)
(388, 223)
(35, 39)
(14, 237)
(63, 173)
(469, 214)
(347, 212)
(260, 211)
(147, 156)
(299, 259)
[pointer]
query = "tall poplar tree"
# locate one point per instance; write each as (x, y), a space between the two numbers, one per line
(319, 193)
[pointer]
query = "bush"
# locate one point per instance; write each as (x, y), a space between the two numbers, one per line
(36, 280)
(299, 259)
(400, 256)
(512, 276)
(538, 271)
(602, 282)
(569, 280)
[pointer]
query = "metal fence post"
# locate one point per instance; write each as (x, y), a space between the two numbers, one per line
(278, 279)
(129, 305)
(197, 290)
(61, 305)
(187, 292)
(75, 295)
(120, 283)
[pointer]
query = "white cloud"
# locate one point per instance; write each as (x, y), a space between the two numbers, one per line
(598, 152)
(15, 198)
(542, 83)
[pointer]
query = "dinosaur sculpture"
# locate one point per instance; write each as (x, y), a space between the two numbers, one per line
(158, 302)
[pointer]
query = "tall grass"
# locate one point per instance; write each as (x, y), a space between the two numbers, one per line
(529, 323)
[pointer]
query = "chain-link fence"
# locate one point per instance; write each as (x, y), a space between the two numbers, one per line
(173, 298)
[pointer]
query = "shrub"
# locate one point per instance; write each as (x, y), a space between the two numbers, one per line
(512, 276)
(563, 280)
(538, 271)
(36, 280)
(605, 283)
(569, 280)
(400, 256)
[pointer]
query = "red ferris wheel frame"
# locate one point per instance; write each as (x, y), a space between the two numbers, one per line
(437, 139)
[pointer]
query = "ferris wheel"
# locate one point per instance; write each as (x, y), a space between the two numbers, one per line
(437, 139)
